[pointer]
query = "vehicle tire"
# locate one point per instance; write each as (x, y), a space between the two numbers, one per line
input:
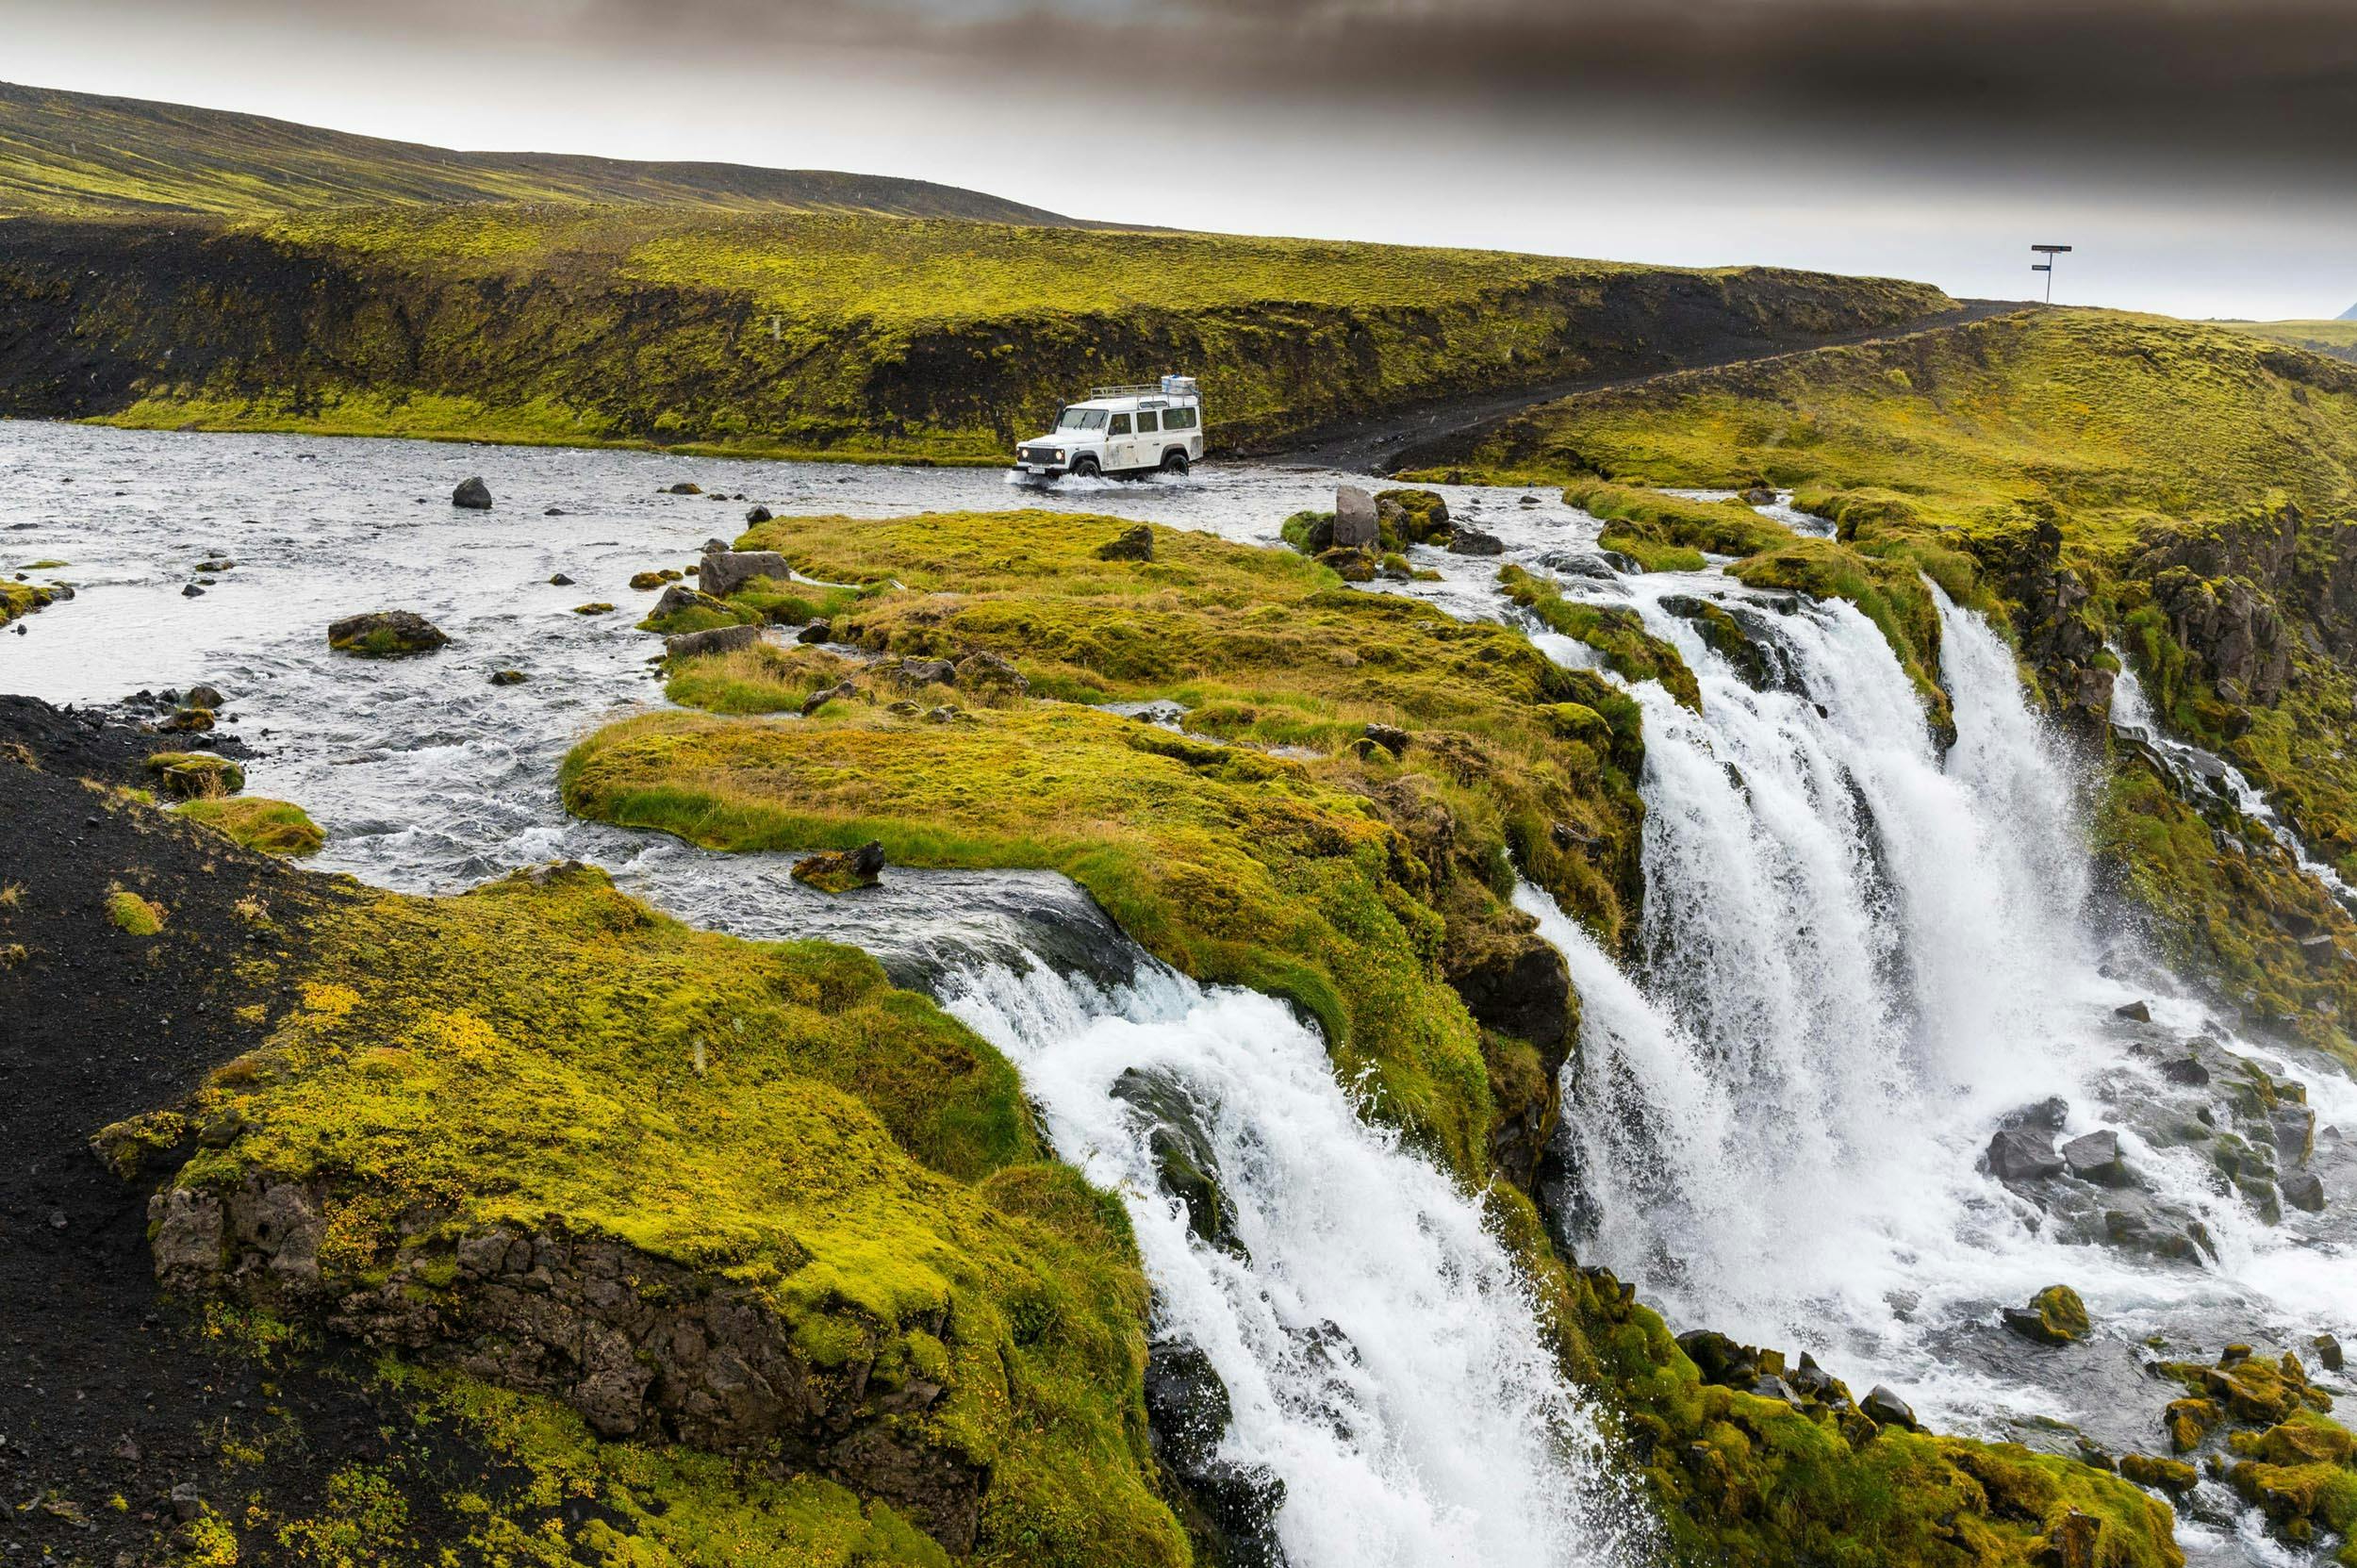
(1084, 468)
(1174, 460)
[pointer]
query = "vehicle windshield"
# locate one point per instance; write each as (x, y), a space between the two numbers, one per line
(1082, 419)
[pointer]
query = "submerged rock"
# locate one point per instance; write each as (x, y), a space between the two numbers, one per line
(508, 677)
(1181, 1148)
(385, 634)
(841, 870)
(1188, 1412)
(471, 494)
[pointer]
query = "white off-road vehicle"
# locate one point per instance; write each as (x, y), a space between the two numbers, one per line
(1121, 430)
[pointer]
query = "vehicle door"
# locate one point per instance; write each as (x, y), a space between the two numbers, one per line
(1149, 438)
(1121, 444)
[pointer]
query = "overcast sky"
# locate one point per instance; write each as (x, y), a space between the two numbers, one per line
(2202, 154)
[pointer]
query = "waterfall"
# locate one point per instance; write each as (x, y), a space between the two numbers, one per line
(2198, 769)
(1857, 955)
(1379, 1346)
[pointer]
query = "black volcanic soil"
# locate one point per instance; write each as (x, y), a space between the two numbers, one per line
(109, 1396)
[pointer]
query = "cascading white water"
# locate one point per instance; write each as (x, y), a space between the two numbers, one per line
(1857, 955)
(1378, 1344)
(2133, 712)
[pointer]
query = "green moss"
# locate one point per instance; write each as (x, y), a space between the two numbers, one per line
(763, 678)
(1615, 631)
(1304, 875)
(1664, 525)
(132, 915)
(22, 598)
(1889, 589)
(1752, 1483)
(195, 775)
(271, 827)
(774, 1114)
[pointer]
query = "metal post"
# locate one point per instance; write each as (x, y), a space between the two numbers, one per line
(2047, 266)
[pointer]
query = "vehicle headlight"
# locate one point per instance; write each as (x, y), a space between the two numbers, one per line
(1060, 454)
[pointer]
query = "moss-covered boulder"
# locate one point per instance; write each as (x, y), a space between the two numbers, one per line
(385, 634)
(195, 775)
(2056, 1316)
(268, 827)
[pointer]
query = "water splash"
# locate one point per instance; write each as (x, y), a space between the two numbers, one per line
(1379, 1345)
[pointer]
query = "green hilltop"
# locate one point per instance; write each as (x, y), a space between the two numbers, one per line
(82, 155)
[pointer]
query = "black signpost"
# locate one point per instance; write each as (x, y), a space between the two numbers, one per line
(2047, 266)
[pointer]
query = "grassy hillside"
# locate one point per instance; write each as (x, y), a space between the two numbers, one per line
(2183, 494)
(78, 154)
(2336, 338)
(842, 334)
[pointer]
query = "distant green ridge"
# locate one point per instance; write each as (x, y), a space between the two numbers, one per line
(82, 155)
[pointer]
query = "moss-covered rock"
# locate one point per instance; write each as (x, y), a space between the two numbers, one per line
(195, 775)
(385, 634)
(2056, 1316)
(271, 827)
(713, 1197)
(1615, 631)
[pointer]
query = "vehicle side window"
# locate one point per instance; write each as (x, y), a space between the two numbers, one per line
(1178, 419)
(1148, 421)
(1121, 424)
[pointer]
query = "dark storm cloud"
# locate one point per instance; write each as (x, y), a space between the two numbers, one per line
(2264, 83)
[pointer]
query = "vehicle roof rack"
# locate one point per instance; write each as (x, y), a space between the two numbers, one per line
(1152, 389)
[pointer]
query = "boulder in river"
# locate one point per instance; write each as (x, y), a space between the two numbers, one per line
(2056, 1316)
(841, 870)
(2134, 1012)
(1468, 540)
(720, 639)
(201, 696)
(2096, 1157)
(685, 487)
(385, 634)
(508, 677)
(722, 572)
(1188, 1412)
(1183, 1157)
(1354, 523)
(2304, 1189)
(2022, 1154)
(756, 514)
(471, 494)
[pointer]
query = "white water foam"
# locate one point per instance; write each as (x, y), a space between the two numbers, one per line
(1858, 955)
(2133, 712)
(1379, 1346)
